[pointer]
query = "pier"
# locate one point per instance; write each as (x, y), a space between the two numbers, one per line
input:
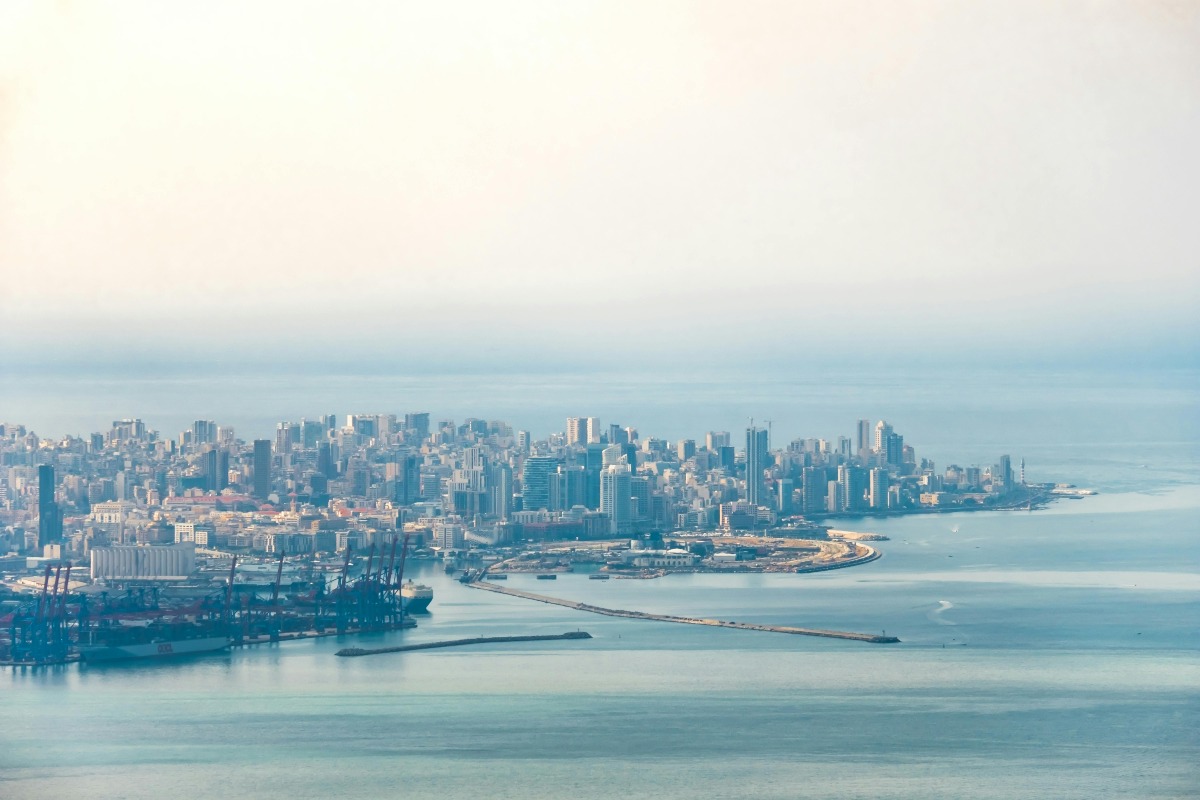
(715, 623)
(354, 652)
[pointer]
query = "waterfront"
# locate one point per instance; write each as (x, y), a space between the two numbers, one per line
(1054, 654)
(1044, 654)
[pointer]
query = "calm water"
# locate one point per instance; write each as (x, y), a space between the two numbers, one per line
(1045, 654)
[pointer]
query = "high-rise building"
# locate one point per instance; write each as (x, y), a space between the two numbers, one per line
(685, 449)
(593, 430)
(852, 487)
(262, 468)
(613, 454)
(883, 441)
(404, 475)
(714, 440)
(616, 495)
(204, 431)
(287, 436)
(536, 474)
(576, 430)
(572, 486)
(50, 526)
(325, 464)
(418, 425)
(209, 466)
(500, 492)
(815, 484)
(1004, 468)
(311, 433)
(756, 464)
(864, 437)
(593, 463)
(879, 488)
(786, 487)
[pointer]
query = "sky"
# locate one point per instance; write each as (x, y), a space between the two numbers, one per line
(630, 182)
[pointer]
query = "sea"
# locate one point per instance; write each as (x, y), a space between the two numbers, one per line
(1050, 653)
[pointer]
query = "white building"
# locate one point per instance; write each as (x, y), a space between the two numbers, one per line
(143, 562)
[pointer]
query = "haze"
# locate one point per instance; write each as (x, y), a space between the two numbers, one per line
(642, 179)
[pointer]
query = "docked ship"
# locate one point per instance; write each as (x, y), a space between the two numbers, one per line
(417, 597)
(121, 642)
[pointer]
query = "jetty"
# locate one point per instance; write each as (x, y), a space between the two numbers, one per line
(715, 623)
(354, 652)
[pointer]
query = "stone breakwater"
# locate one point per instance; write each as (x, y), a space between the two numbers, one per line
(716, 623)
(353, 652)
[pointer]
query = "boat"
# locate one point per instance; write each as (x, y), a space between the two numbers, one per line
(417, 597)
(158, 649)
(598, 577)
(153, 640)
(496, 576)
(550, 577)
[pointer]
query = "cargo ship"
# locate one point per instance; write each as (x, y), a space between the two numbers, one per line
(155, 640)
(417, 597)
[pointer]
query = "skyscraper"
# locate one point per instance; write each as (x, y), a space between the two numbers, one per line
(714, 440)
(418, 424)
(536, 475)
(49, 515)
(209, 466)
(883, 441)
(864, 437)
(500, 490)
(593, 430)
(616, 495)
(262, 468)
(204, 431)
(786, 487)
(879, 488)
(756, 463)
(576, 430)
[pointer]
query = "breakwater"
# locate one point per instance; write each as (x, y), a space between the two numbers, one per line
(352, 652)
(715, 623)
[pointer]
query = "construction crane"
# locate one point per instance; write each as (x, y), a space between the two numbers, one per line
(278, 577)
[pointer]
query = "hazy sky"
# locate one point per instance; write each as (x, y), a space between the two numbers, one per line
(626, 177)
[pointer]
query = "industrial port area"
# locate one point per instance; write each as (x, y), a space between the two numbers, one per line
(67, 621)
(221, 603)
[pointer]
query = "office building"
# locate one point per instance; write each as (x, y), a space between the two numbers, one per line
(536, 475)
(50, 526)
(616, 498)
(864, 437)
(576, 430)
(757, 445)
(262, 468)
(879, 488)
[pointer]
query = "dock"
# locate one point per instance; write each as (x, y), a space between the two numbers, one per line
(714, 623)
(354, 652)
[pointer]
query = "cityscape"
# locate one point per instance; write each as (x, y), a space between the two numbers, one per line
(608, 400)
(332, 484)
